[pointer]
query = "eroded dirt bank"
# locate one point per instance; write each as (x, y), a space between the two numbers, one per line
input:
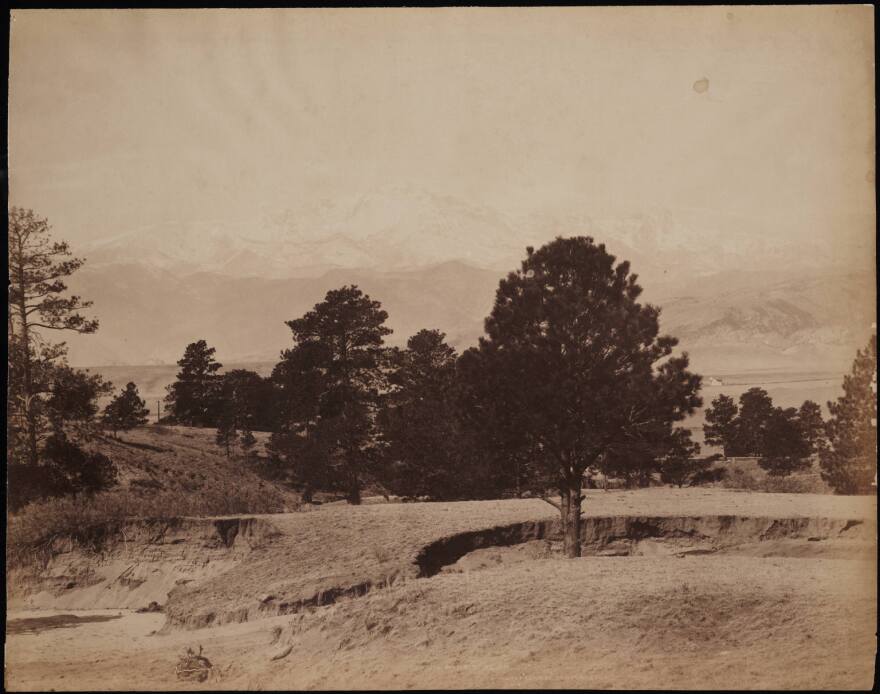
(674, 535)
(209, 572)
(134, 564)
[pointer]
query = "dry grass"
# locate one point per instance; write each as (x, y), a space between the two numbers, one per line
(340, 547)
(31, 533)
(597, 623)
(183, 459)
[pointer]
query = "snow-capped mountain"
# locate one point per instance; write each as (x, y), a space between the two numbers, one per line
(397, 227)
(391, 228)
(434, 262)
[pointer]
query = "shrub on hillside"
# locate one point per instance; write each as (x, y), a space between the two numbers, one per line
(27, 483)
(78, 471)
(65, 469)
(749, 476)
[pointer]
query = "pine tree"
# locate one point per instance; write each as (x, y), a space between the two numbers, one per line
(720, 427)
(849, 462)
(812, 425)
(126, 411)
(37, 303)
(75, 470)
(344, 334)
(239, 395)
(247, 441)
(755, 411)
(681, 465)
(781, 439)
(784, 448)
(193, 399)
(226, 435)
(577, 368)
(297, 442)
(426, 455)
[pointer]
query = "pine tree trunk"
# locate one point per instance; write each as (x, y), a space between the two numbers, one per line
(565, 511)
(354, 490)
(307, 494)
(571, 522)
(28, 394)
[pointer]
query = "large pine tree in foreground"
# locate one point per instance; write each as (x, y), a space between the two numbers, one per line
(849, 461)
(575, 369)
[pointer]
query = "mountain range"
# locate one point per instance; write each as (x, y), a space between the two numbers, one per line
(434, 261)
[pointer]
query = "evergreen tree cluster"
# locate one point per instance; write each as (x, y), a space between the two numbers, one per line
(783, 439)
(572, 378)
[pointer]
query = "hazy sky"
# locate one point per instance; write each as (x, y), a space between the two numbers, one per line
(121, 119)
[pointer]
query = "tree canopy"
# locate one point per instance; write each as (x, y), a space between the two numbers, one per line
(241, 397)
(126, 410)
(574, 368)
(849, 461)
(430, 451)
(38, 304)
(783, 439)
(682, 465)
(193, 398)
(339, 360)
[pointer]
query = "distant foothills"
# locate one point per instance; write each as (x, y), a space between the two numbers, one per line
(739, 297)
(730, 322)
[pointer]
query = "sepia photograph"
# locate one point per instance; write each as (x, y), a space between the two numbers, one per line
(441, 348)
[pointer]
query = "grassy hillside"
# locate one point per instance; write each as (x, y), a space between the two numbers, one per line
(163, 472)
(185, 460)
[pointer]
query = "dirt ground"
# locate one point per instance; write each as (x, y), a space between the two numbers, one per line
(623, 622)
(802, 617)
(342, 547)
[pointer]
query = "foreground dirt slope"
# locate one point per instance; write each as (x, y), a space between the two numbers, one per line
(281, 563)
(332, 550)
(781, 612)
(139, 563)
(628, 622)
(346, 548)
(597, 623)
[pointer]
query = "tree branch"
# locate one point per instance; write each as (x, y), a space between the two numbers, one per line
(544, 497)
(54, 327)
